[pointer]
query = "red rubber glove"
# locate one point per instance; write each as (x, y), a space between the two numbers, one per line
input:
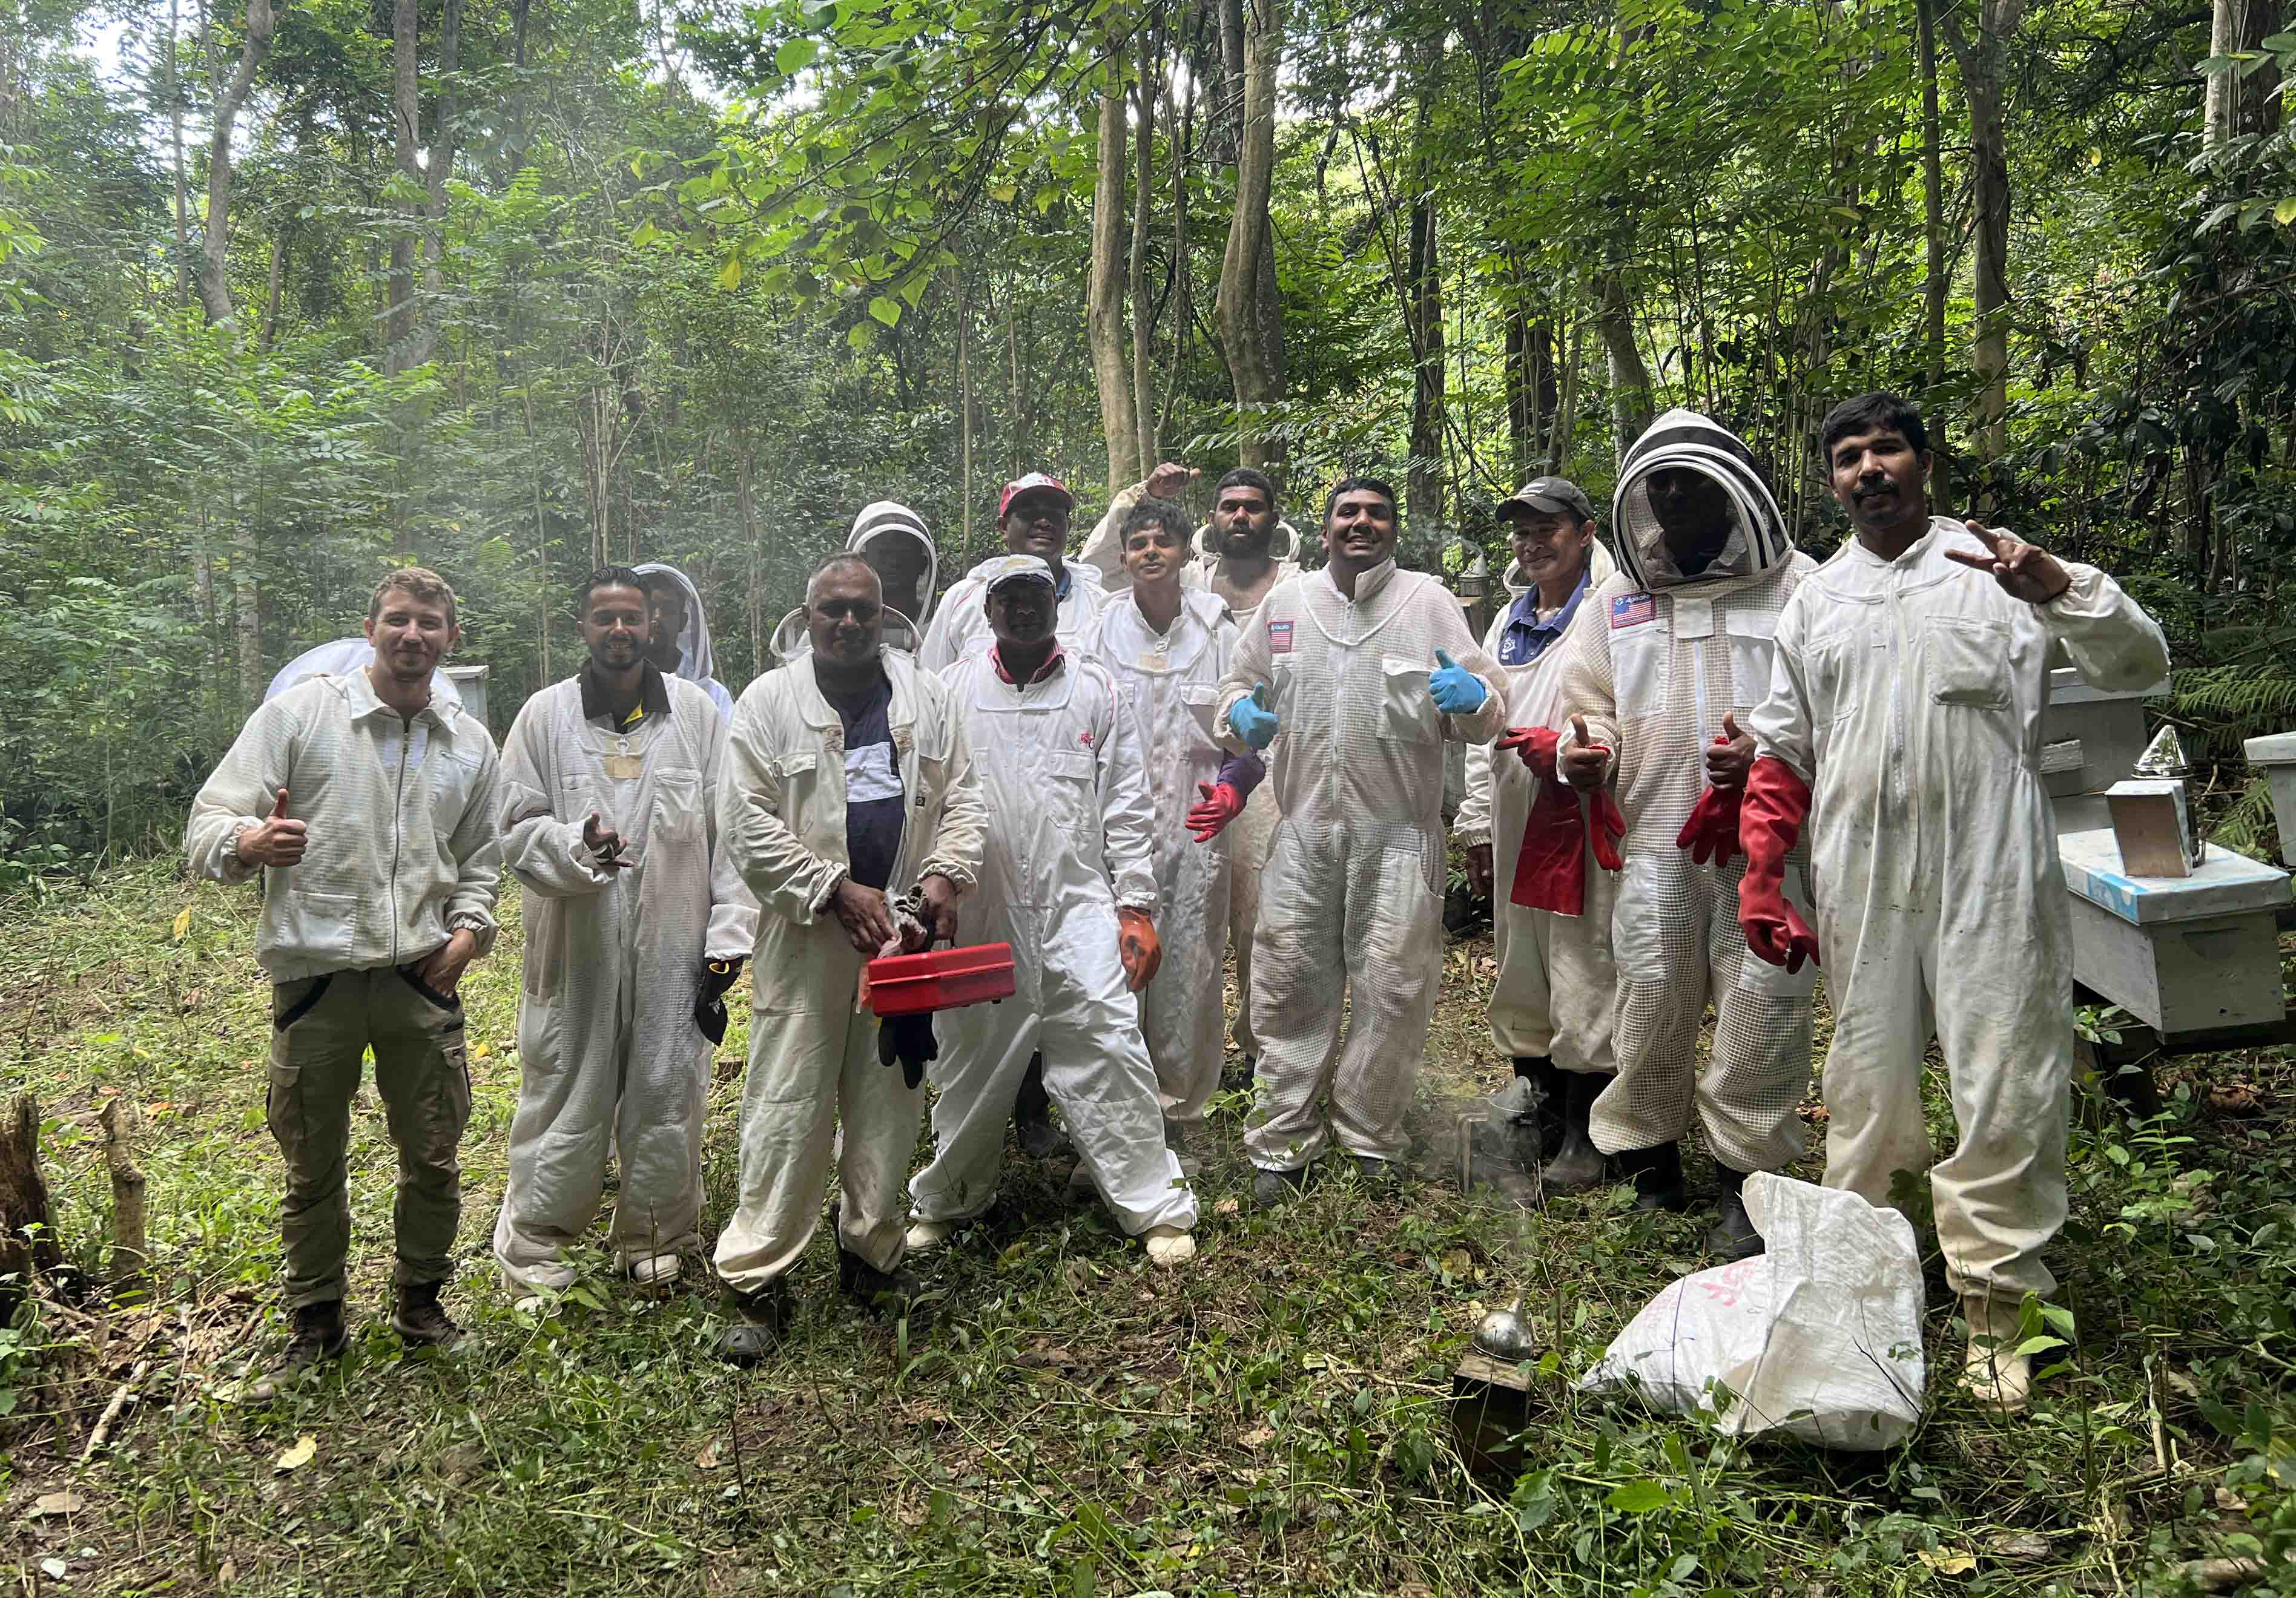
(1769, 822)
(1138, 946)
(1533, 745)
(1220, 805)
(1609, 827)
(1711, 832)
(1550, 869)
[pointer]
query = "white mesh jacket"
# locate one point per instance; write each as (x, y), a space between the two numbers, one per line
(403, 850)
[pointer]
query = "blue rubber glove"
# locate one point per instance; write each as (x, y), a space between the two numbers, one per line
(1457, 691)
(1253, 720)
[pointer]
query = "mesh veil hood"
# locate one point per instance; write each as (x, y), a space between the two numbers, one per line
(890, 519)
(1687, 440)
(696, 661)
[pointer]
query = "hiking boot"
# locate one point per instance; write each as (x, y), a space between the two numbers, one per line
(1575, 1164)
(1273, 1189)
(893, 1292)
(1656, 1173)
(1032, 1114)
(417, 1317)
(318, 1337)
(1733, 1236)
(765, 1317)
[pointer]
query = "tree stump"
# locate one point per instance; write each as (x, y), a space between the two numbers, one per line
(28, 1236)
(129, 1253)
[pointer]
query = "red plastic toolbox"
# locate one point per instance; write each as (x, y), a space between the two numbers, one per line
(938, 979)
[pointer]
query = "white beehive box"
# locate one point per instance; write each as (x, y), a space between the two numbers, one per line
(2184, 953)
(2090, 738)
(2276, 758)
(470, 683)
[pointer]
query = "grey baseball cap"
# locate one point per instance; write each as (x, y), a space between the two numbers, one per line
(1550, 494)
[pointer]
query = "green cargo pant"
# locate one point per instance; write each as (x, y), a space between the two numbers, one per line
(320, 1027)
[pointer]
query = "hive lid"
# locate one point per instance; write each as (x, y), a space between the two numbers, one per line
(2223, 884)
(2274, 749)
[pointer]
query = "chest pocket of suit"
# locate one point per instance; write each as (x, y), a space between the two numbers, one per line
(677, 806)
(1203, 704)
(1966, 663)
(1070, 792)
(1407, 713)
(452, 782)
(931, 740)
(799, 771)
(1638, 662)
(1751, 642)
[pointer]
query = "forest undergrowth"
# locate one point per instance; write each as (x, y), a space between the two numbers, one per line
(1273, 1419)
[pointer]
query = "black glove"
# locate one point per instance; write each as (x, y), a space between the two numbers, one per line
(909, 1039)
(718, 976)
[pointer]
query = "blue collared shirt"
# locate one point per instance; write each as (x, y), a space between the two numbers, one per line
(1526, 637)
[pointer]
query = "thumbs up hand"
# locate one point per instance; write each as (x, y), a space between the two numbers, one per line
(1730, 756)
(1456, 691)
(277, 840)
(1253, 720)
(1586, 763)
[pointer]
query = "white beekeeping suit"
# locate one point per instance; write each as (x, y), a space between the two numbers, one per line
(697, 661)
(1352, 904)
(1070, 839)
(610, 1058)
(1556, 983)
(813, 1056)
(907, 616)
(960, 626)
(1653, 670)
(1909, 694)
(1171, 683)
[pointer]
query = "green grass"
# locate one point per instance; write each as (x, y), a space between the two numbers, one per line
(1274, 1419)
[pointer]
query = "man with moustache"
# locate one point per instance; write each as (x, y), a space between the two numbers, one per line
(1032, 518)
(1903, 725)
(368, 809)
(1355, 676)
(636, 926)
(849, 785)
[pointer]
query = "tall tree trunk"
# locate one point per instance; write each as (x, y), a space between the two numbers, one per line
(1104, 293)
(247, 607)
(1980, 60)
(1630, 381)
(519, 95)
(1566, 407)
(231, 96)
(1423, 483)
(444, 137)
(1933, 284)
(1251, 314)
(175, 92)
(1528, 368)
(274, 281)
(963, 408)
(1144, 195)
(2240, 107)
(407, 107)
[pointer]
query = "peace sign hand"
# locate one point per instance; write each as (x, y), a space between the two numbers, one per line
(2025, 571)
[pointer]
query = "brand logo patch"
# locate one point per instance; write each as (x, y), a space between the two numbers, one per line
(1084, 737)
(1633, 610)
(1279, 637)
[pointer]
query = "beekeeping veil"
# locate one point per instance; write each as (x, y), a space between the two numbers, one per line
(1688, 441)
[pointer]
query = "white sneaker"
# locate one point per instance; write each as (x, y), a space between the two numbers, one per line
(1999, 1378)
(652, 1271)
(924, 1236)
(1169, 1245)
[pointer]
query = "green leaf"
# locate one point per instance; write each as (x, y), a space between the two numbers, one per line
(796, 55)
(1639, 1497)
(863, 335)
(2284, 212)
(729, 276)
(887, 311)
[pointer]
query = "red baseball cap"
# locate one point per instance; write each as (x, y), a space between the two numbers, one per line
(1022, 485)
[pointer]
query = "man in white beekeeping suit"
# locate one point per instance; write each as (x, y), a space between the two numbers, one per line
(1356, 675)
(1904, 725)
(678, 633)
(1168, 648)
(1069, 879)
(1032, 517)
(636, 925)
(1550, 1008)
(1674, 650)
(899, 548)
(850, 787)
(1235, 559)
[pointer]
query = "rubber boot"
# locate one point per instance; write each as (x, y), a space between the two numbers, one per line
(1538, 1086)
(1999, 1378)
(1032, 1114)
(1272, 1189)
(765, 1317)
(1656, 1173)
(896, 1292)
(1733, 1236)
(1577, 1164)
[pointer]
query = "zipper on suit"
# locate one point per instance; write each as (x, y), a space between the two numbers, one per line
(398, 831)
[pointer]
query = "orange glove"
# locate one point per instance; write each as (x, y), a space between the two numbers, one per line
(1770, 824)
(1138, 946)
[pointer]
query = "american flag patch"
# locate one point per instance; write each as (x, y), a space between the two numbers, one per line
(1633, 610)
(1279, 637)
